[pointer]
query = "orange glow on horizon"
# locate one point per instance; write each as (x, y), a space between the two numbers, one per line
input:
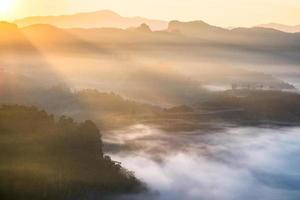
(223, 13)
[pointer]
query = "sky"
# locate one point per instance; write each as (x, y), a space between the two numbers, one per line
(217, 12)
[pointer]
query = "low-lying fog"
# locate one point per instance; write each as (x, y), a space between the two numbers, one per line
(236, 163)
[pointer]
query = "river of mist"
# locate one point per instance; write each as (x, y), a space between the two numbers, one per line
(232, 164)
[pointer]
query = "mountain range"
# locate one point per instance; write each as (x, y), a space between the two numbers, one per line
(176, 32)
(98, 19)
(190, 40)
(110, 19)
(196, 49)
(201, 51)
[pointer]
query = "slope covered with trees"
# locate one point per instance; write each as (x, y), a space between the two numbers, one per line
(46, 158)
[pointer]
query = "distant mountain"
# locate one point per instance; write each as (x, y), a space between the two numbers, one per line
(9, 32)
(38, 37)
(142, 28)
(176, 32)
(255, 36)
(13, 39)
(281, 27)
(194, 28)
(44, 32)
(99, 19)
(184, 33)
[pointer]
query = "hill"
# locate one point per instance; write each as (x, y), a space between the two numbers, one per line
(47, 158)
(246, 107)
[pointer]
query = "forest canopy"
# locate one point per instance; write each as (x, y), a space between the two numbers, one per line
(42, 157)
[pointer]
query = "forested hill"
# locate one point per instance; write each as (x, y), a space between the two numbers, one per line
(45, 158)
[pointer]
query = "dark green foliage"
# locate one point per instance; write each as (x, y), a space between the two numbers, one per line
(44, 158)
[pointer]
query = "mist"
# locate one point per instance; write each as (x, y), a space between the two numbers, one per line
(237, 163)
(147, 109)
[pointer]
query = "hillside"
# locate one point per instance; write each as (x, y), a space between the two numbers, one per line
(107, 109)
(47, 158)
(232, 108)
(255, 107)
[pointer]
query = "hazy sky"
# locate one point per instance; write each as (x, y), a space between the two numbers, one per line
(218, 12)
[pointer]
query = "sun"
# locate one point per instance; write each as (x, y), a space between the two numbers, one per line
(6, 6)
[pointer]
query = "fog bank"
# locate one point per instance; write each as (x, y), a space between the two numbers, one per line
(238, 163)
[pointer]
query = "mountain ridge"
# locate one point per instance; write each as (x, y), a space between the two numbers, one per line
(281, 27)
(110, 19)
(96, 19)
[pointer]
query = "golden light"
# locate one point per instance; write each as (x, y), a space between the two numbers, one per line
(6, 6)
